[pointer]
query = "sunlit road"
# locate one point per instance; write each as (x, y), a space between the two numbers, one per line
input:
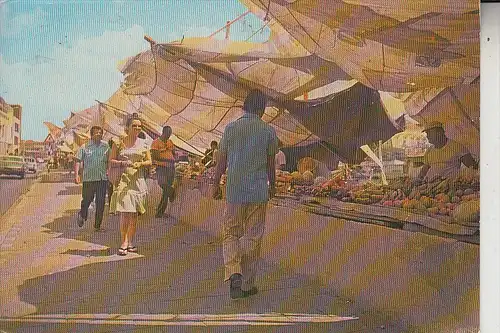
(11, 187)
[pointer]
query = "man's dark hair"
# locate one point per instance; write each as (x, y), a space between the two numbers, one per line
(95, 128)
(167, 128)
(213, 143)
(255, 101)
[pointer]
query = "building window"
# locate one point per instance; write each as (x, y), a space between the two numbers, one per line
(17, 112)
(16, 127)
(16, 140)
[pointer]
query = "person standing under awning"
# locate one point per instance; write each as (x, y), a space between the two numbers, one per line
(163, 154)
(280, 158)
(210, 158)
(445, 158)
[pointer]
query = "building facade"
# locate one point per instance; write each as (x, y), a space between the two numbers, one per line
(10, 128)
(35, 149)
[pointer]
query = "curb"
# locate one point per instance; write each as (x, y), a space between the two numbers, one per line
(8, 212)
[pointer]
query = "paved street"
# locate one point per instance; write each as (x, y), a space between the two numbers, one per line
(318, 274)
(11, 187)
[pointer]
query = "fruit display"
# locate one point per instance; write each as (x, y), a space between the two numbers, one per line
(467, 212)
(457, 197)
(192, 170)
(439, 197)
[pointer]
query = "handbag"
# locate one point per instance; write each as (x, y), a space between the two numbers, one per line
(115, 174)
(115, 171)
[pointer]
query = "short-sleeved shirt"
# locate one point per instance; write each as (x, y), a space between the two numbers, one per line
(95, 160)
(247, 143)
(445, 161)
(280, 159)
(165, 150)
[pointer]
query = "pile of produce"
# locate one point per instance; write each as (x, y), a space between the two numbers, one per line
(441, 196)
(445, 197)
(456, 197)
(191, 170)
(208, 176)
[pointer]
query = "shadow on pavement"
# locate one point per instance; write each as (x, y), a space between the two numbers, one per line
(89, 253)
(71, 190)
(178, 270)
(57, 177)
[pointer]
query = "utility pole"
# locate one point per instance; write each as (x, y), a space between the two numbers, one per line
(228, 28)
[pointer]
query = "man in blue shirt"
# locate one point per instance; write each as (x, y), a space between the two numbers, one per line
(94, 156)
(248, 148)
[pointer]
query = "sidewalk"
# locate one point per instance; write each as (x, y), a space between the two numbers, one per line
(316, 273)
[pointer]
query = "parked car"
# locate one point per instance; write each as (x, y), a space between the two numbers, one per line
(31, 164)
(12, 165)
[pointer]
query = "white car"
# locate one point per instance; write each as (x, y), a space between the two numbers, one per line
(31, 165)
(40, 160)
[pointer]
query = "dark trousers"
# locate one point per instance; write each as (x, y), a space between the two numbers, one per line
(95, 189)
(166, 193)
(110, 192)
(165, 176)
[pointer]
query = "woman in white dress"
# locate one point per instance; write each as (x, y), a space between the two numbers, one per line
(129, 195)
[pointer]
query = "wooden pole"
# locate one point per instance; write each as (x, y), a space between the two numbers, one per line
(229, 23)
(149, 39)
(228, 28)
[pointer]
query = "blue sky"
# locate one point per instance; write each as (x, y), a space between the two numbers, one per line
(60, 56)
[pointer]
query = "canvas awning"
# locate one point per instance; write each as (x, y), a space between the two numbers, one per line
(457, 108)
(198, 94)
(390, 48)
(64, 149)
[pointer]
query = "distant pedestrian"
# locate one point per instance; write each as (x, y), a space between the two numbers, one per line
(163, 154)
(110, 184)
(211, 154)
(280, 159)
(71, 162)
(248, 148)
(94, 157)
(129, 195)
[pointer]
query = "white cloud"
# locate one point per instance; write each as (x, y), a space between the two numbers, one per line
(24, 23)
(75, 78)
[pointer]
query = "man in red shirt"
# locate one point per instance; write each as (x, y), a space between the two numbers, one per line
(163, 155)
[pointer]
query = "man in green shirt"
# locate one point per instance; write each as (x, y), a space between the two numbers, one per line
(94, 157)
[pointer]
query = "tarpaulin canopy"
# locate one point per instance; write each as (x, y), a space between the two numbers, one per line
(54, 130)
(393, 48)
(150, 127)
(457, 108)
(264, 62)
(197, 85)
(346, 120)
(198, 91)
(197, 100)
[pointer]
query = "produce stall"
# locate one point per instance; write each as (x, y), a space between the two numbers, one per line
(448, 207)
(444, 199)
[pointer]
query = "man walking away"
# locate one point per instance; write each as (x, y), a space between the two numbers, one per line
(163, 155)
(94, 157)
(248, 148)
